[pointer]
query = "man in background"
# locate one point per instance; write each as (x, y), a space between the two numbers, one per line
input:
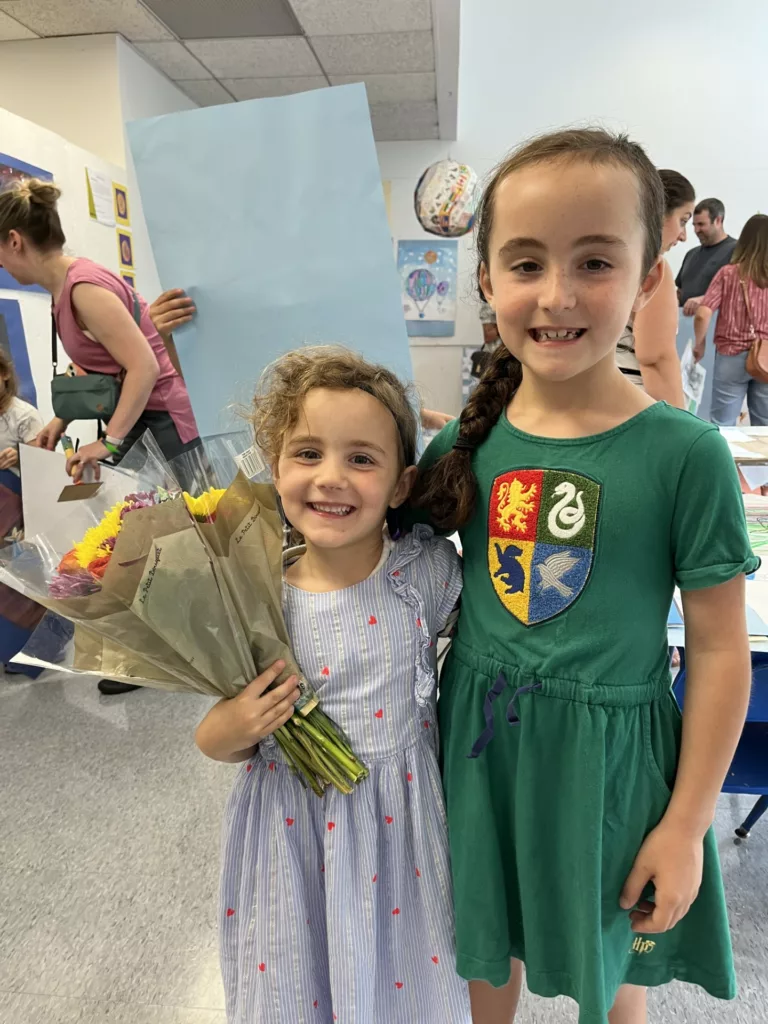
(700, 265)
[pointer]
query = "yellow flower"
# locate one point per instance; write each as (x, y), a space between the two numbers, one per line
(95, 542)
(204, 507)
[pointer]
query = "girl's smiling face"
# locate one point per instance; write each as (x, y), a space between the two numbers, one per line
(340, 468)
(564, 271)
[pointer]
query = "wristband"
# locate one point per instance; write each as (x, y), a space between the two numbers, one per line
(112, 444)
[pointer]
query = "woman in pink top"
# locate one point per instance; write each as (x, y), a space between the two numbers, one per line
(93, 308)
(738, 326)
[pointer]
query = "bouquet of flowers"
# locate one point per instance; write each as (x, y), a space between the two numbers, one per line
(178, 590)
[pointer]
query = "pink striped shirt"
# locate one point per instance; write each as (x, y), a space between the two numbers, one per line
(733, 333)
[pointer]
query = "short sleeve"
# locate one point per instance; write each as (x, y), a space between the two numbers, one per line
(30, 423)
(447, 580)
(710, 543)
(714, 296)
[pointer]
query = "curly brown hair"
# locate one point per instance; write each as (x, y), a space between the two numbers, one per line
(448, 488)
(285, 384)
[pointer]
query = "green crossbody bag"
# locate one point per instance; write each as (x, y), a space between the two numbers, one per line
(92, 396)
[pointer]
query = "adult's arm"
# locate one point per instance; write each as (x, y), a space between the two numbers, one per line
(110, 323)
(655, 331)
(170, 310)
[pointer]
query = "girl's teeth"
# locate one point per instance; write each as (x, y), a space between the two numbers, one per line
(557, 335)
(337, 510)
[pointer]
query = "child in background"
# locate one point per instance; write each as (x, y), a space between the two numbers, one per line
(340, 909)
(20, 422)
(579, 821)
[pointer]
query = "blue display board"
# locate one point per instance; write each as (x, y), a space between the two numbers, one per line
(271, 215)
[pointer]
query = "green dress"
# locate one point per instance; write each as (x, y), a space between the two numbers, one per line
(560, 734)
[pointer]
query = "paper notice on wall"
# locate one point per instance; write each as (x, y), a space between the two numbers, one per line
(694, 376)
(100, 204)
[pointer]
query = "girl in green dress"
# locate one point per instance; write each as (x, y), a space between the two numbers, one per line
(579, 802)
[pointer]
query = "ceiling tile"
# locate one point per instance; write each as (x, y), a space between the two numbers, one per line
(381, 53)
(226, 19)
(393, 88)
(12, 29)
(404, 122)
(351, 17)
(175, 60)
(207, 92)
(85, 17)
(256, 58)
(259, 88)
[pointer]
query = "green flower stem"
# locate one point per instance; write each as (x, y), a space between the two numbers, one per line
(322, 721)
(325, 765)
(299, 763)
(354, 768)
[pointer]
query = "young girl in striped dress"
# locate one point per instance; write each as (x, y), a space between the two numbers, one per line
(340, 909)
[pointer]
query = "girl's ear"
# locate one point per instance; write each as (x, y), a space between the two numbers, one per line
(649, 286)
(404, 486)
(485, 284)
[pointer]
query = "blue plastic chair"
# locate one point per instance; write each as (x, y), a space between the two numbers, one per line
(749, 770)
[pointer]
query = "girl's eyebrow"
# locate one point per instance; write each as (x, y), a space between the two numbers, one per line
(311, 439)
(513, 244)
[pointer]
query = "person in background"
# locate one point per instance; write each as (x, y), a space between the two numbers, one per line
(647, 351)
(700, 265)
(740, 293)
(94, 313)
(20, 422)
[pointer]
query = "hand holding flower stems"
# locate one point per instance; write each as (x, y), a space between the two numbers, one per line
(233, 728)
(120, 585)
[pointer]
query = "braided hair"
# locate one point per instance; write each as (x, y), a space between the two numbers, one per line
(448, 488)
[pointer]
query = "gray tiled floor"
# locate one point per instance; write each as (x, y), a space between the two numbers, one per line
(109, 823)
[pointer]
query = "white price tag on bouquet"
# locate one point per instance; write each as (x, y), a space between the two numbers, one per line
(250, 462)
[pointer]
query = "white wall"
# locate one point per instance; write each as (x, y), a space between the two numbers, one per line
(687, 80)
(69, 85)
(144, 92)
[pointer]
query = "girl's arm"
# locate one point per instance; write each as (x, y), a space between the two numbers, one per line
(233, 728)
(716, 698)
(719, 676)
(655, 330)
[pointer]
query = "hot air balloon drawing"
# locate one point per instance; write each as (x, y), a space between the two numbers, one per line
(420, 286)
(443, 288)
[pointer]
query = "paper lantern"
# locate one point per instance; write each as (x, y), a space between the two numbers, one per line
(444, 199)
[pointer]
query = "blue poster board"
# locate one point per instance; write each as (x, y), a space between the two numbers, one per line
(270, 213)
(12, 169)
(13, 340)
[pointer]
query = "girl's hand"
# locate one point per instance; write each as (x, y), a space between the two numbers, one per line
(88, 455)
(698, 351)
(256, 712)
(50, 435)
(232, 728)
(673, 860)
(9, 457)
